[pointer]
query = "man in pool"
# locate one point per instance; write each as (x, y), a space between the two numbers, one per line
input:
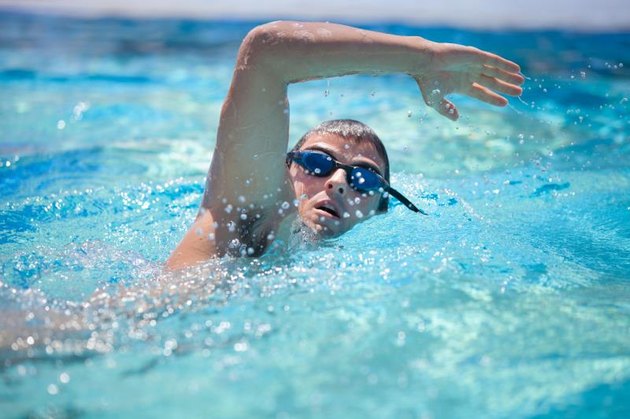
(338, 173)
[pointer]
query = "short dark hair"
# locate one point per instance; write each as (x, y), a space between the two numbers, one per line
(355, 132)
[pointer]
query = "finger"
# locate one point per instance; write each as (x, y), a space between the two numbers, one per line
(486, 95)
(500, 86)
(493, 60)
(436, 100)
(513, 78)
(447, 109)
(431, 97)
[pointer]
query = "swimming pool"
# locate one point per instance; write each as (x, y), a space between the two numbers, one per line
(510, 300)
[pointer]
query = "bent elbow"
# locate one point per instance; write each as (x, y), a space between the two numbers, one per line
(258, 44)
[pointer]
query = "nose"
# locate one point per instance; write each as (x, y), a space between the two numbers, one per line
(337, 182)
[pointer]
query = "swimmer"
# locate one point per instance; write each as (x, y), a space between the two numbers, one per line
(337, 175)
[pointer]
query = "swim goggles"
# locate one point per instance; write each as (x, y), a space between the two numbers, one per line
(361, 179)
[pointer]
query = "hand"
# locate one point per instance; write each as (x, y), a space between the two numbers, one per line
(459, 69)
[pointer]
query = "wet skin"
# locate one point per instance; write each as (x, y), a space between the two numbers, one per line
(253, 132)
(328, 205)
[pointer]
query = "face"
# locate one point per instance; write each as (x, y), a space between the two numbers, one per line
(328, 205)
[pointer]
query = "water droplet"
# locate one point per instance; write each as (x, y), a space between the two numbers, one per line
(241, 346)
(61, 124)
(53, 389)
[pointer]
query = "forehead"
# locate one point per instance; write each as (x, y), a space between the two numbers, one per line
(348, 151)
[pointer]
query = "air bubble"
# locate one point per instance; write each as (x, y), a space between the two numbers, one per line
(359, 214)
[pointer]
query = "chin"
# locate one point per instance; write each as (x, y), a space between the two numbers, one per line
(322, 231)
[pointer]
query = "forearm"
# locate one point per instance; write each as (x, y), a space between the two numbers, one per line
(297, 51)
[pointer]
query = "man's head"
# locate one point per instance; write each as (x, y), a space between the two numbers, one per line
(328, 204)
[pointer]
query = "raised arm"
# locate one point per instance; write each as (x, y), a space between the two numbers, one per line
(247, 185)
(253, 131)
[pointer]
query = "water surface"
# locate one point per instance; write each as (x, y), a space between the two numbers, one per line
(509, 300)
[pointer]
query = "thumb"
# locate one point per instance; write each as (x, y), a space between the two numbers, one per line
(447, 109)
(435, 99)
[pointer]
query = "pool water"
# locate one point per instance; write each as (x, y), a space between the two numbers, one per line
(512, 299)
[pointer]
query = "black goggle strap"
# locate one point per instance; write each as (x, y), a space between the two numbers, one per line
(393, 192)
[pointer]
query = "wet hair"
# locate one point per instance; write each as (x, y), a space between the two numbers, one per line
(353, 132)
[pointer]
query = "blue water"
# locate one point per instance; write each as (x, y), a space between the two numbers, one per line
(512, 299)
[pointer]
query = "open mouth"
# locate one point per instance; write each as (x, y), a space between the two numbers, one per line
(328, 209)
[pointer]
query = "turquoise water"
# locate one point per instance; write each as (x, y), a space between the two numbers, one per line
(510, 300)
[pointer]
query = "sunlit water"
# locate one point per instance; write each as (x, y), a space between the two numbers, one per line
(511, 299)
